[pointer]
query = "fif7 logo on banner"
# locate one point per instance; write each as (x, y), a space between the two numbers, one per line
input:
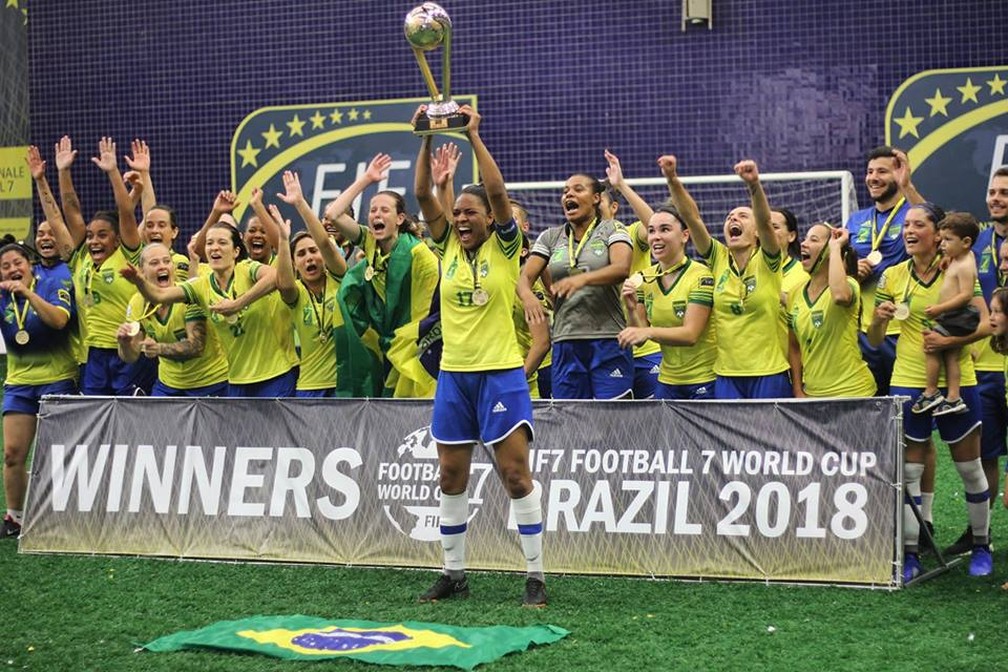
(329, 145)
(953, 125)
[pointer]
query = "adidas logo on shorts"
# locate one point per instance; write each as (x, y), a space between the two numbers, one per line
(616, 373)
(499, 407)
(655, 369)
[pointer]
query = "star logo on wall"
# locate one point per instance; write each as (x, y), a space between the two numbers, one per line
(272, 137)
(939, 103)
(249, 154)
(908, 124)
(969, 91)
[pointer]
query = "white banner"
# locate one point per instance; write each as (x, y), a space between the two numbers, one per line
(779, 490)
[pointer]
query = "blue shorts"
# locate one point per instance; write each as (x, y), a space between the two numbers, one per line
(695, 391)
(994, 413)
(952, 428)
(272, 388)
(773, 386)
(487, 407)
(25, 398)
(325, 393)
(215, 390)
(880, 361)
(545, 382)
(108, 375)
(645, 375)
(592, 369)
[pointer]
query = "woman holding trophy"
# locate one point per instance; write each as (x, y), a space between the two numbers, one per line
(482, 394)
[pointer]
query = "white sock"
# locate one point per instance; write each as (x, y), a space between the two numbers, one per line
(927, 502)
(977, 498)
(528, 515)
(454, 514)
(912, 472)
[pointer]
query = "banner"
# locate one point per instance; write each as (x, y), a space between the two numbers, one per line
(15, 181)
(330, 145)
(796, 490)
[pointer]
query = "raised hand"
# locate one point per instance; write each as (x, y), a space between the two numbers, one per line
(225, 202)
(668, 164)
(474, 118)
(283, 224)
(36, 166)
(444, 162)
(839, 237)
(256, 197)
(65, 153)
(132, 274)
(748, 171)
(378, 169)
(106, 159)
(614, 171)
(901, 168)
(140, 161)
(292, 188)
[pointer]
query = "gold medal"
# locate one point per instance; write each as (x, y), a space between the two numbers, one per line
(874, 258)
(480, 297)
(21, 337)
(369, 273)
(636, 280)
(132, 328)
(88, 300)
(902, 311)
(231, 319)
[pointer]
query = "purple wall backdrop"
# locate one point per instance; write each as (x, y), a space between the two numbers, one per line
(795, 85)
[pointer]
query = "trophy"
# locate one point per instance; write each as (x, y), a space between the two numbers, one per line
(426, 27)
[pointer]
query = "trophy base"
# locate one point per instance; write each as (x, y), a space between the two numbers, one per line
(426, 125)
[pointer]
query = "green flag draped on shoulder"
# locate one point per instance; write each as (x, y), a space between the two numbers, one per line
(407, 643)
(377, 347)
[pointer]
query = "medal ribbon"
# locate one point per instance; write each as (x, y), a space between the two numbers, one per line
(319, 320)
(878, 236)
(667, 271)
(908, 291)
(21, 317)
(149, 312)
(572, 254)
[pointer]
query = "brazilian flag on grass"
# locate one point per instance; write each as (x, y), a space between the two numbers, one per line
(407, 643)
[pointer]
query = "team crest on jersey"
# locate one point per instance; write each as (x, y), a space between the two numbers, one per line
(306, 315)
(63, 295)
(750, 284)
(817, 318)
(108, 277)
(329, 144)
(680, 309)
(952, 117)
(484, 270)
(558, 254)
(864, 232)
(722, 281)
(598, 247)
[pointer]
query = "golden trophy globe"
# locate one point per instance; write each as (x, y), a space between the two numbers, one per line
(428, 27)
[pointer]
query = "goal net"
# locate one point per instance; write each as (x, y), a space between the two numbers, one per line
(814, 197)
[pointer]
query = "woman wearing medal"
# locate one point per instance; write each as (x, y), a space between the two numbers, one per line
(389, 294)
(311, 297)
(191, 362)
(482, 394)
(903, 294)
(751, 361)
(40, 361)
(245, 312)
(587, 258)
(823, 317)
(101, 249)
(670, 304)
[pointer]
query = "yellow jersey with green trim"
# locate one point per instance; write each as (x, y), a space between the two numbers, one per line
(524, 337)
(47, 356)
(747, 313)
(314, 320)
(210, 368)
(666, 307)
(103, 294)
(827, 335)
(794, 278)
(477, 301)
(424, 273)
(640, 261)
(181, 263)
(260, 343)
(899, 283)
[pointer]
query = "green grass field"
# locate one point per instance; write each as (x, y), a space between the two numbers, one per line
(89, 613)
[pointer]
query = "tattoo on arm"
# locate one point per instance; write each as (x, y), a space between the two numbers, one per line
(191, 347)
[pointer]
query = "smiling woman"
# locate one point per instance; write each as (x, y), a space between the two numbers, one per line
(587, 259)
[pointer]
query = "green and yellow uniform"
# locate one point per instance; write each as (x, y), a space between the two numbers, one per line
(314, 319)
